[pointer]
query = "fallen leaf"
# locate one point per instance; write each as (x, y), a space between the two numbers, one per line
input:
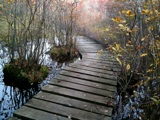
(143, 55)
(128, 67)
(119, 61)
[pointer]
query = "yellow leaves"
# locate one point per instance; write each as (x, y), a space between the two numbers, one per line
(128, 67)
(156, 11)
(114, 49)
(143, 39)
(157, 44)
(146, 11)
(118, 47)
(121, 25)
(149, 70)
(129, 44)
(151, 65)
(119, 55)
(128, 13)
(151, 27)
(124, 11)
(119, 61)
(143, 55)
(157, 62)
(107, 29)
(123, 21)
(124, 28)
(118, 19)
(0, 5)
(150, 19)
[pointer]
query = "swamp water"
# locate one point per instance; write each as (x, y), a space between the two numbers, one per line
(12, 98)
(130, 106)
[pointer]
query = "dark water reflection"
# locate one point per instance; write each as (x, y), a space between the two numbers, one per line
(12, 98)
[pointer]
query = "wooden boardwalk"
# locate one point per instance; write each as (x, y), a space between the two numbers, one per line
(84, 90)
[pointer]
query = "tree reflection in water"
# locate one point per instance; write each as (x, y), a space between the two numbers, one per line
(12, 98)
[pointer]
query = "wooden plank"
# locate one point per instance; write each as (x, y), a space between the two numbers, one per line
(26, 113)
(96, 63)
(89, 43)
(88, 64)
(86, 83)
(89, 78)
(98, 58)
(107, 63)
(89, 46)
(89, 49)
(91, 69)
(78, 95)
(69, 112)
(86, 72)
(101, 61)
(86, 42)
(86, 51)
(82, 88)
(99, 55)
(82, 105)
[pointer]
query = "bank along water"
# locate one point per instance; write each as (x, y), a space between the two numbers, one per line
(12, 98)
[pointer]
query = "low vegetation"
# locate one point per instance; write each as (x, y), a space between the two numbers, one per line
(63, 54)
(24, 76)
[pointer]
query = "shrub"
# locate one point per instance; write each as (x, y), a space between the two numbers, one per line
(22, 76)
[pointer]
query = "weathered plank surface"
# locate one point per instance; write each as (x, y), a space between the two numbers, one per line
(85, 83)
(84, 90)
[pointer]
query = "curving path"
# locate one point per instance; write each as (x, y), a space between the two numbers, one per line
(84, 90)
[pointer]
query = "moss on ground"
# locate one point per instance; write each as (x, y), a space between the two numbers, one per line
(63, 54)
(22, 76)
